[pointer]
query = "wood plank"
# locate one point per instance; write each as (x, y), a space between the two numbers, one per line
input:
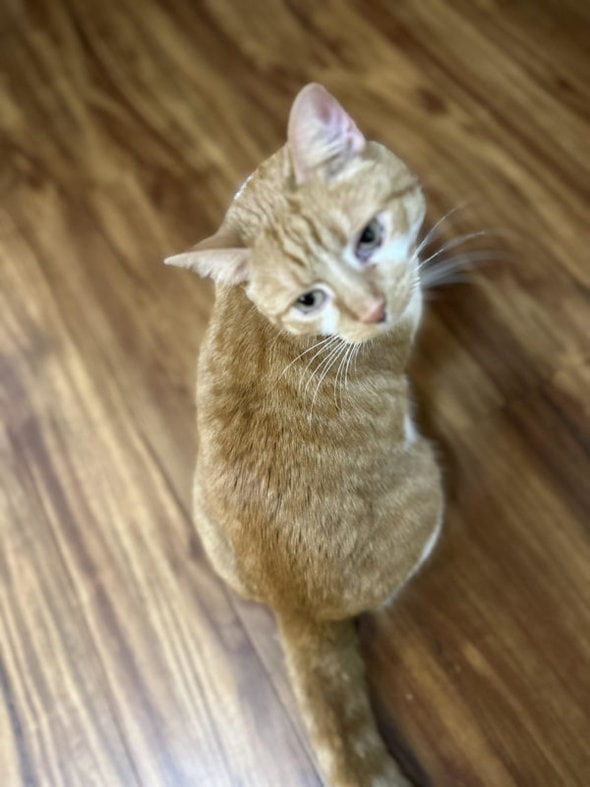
(124, 130)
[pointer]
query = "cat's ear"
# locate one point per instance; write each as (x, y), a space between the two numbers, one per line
(220, 256)
(321, 135)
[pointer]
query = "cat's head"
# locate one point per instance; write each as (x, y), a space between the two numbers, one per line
(323, 234)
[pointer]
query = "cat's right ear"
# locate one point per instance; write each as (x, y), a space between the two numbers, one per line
(220, 257)
(321, 134)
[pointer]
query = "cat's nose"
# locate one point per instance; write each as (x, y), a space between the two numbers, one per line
(375, 312)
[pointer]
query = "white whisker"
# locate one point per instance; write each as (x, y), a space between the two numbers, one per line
(352, 354)
(357, 351)
(451, 244)
(331, 360)
(334, 351)
(308, 350)
(338, 378)
(326, 347)
(433, 231)
(438, 273)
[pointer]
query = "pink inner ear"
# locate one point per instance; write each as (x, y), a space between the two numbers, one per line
(320, 131)
(339, 125)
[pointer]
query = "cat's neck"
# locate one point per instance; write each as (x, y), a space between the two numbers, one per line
(261, 348)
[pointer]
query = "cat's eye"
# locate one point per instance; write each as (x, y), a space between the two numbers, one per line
(311, 301)
(370, 239)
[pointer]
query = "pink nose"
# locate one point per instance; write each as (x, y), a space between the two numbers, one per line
(375, 312)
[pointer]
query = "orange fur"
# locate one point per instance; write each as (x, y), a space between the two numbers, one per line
(313, 492)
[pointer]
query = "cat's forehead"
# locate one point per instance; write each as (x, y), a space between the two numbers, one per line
(274, 212)
(321, 222)
(325, 214)
(303, 237)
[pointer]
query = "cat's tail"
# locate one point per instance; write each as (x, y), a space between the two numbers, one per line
(328, 676)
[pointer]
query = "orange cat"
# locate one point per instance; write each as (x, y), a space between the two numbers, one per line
(314, 493)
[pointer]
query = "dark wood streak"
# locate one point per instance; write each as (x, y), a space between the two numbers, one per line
(125, 129)
(25, 758)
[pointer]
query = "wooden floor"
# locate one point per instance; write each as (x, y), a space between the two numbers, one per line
(125, 127)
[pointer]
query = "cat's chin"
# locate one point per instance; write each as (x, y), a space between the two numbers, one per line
(367, 333)
(410, 314)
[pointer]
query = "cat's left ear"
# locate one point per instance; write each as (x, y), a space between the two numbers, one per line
(220, 256)
(321, 135)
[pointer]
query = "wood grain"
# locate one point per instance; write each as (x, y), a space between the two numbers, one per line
(125, 127)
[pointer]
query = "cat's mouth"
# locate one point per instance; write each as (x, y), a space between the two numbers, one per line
(383, 315)
(361, 332)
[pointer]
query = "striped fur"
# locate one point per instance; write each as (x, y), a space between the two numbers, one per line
(314, 493)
